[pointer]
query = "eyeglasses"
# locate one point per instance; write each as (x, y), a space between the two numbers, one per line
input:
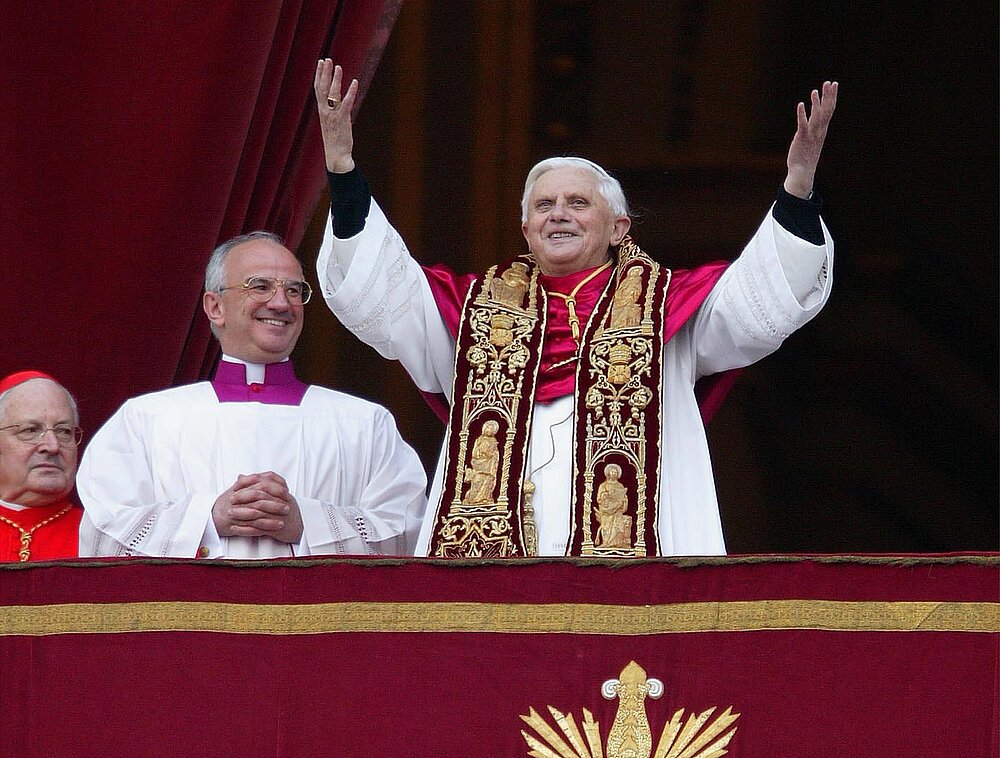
(261, 289)
(34, 432)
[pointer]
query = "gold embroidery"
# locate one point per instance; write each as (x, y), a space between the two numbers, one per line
(616, 425)
(510, 287)
(615, 528)
(481, 474)
(630, 735)
(484, 513)
(502, 618)
(481, 522)
(618, 381)
(500, 330)
(618, 368)
(626, 311)
(530, 530)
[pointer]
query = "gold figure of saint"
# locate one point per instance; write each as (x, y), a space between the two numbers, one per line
(625, 310)
(615, 528)
(510, 287)
(481, 474)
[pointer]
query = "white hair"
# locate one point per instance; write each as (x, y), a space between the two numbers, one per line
(5, 398)
(608, 187)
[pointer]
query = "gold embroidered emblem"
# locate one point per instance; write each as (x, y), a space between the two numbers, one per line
(500, 330)
(618, 359)
(630, 735)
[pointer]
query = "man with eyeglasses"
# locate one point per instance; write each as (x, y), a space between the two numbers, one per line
(39, 435)
(255, 463)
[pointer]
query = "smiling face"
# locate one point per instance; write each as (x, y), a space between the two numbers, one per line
(251, 331)
(569, 225)
(36, 473)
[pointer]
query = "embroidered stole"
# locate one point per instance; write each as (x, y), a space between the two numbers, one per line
(485, 508)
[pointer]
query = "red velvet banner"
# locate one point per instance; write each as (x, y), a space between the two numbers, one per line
(818, 656)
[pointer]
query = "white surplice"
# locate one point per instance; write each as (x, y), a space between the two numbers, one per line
(778, 283)
(151, 474)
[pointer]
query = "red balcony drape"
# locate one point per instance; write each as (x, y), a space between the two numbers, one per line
(852, 656)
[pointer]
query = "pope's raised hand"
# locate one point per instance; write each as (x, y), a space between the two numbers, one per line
(807, 144)
(335, 111)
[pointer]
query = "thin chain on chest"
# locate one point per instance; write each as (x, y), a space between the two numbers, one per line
(26, 534)
(570, 299)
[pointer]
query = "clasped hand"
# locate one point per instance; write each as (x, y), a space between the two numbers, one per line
(258, 505)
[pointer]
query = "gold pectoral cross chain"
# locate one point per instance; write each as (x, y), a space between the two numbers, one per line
(26, 534)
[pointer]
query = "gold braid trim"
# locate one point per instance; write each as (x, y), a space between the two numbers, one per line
(502, 618)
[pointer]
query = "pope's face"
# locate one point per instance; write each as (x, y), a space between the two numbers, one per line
(36, 473)
(248, 330)
(569, 225)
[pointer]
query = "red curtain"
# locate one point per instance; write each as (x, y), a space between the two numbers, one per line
(133, 138)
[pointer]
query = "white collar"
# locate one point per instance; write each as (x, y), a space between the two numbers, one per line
(254, 371)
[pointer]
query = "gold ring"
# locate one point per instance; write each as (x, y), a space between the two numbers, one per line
(332, 102)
